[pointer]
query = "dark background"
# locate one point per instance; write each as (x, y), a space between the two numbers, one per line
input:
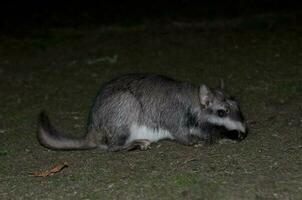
(25, 14)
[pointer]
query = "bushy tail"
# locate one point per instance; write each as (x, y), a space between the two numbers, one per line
(49, 137)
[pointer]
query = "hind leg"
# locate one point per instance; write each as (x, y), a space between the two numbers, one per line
(113, 115)
(117, 141)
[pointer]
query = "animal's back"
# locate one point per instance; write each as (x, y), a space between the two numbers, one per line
(151, 100)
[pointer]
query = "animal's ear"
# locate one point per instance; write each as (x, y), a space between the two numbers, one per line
(222, 85)
(205, 95)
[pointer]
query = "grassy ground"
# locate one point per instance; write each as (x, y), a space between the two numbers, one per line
(60, 70)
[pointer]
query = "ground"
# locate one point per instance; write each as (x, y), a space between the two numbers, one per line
(60, 70)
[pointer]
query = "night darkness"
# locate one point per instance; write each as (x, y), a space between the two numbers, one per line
(55, 57)
(76, 13)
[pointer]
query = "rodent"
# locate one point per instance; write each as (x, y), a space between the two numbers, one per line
(135, 110)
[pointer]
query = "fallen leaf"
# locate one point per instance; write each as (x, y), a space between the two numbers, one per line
(56, 168)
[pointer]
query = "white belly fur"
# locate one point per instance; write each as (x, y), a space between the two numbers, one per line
(145, 133)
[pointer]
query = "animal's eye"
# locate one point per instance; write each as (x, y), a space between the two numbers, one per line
(221, 113)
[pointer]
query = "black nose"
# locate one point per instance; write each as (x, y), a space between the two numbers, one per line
(235, 135)
(241, 136)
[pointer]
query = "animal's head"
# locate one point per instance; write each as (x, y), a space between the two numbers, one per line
(223, 111)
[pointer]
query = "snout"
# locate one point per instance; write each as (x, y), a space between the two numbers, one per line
(241, 135)
(236, 135)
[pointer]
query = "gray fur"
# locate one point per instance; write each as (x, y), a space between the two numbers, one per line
(154, 104)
